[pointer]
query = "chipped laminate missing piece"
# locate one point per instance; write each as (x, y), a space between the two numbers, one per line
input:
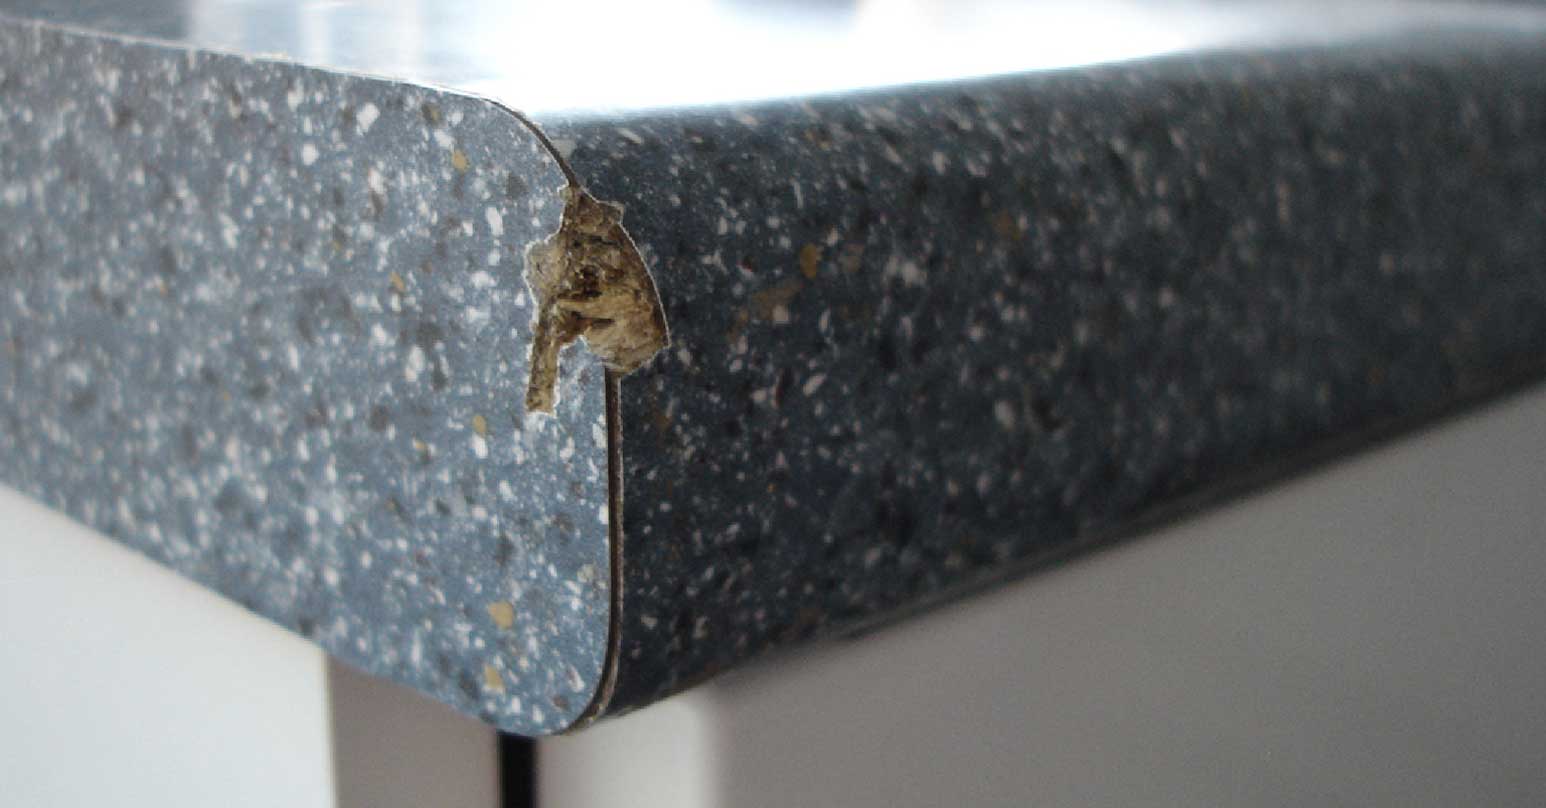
(590, 281)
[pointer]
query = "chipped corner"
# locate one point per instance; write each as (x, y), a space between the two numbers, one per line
(589, 281)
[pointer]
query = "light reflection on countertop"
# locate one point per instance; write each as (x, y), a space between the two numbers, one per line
(542, 56)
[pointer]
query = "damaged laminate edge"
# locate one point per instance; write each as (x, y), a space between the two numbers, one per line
(654, 333)
(602, 698)
(588, 281)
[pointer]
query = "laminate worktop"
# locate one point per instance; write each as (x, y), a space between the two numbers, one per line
(932, 316)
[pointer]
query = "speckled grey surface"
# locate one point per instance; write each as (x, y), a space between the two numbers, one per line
(922, 339)
(268, 326)
(927, 338)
